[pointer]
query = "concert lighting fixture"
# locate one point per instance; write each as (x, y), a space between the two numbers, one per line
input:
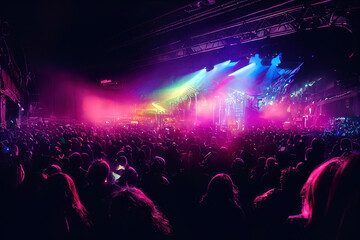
(105, 81)
(255, 59)
(208, 2)
(209, 68)
(276, 60)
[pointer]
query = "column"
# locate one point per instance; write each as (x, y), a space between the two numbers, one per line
(3, 109)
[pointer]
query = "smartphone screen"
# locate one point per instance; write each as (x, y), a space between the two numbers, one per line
(116, 176)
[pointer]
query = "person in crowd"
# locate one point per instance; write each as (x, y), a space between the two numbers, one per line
(133, 216)
(221, 216)
(52, 170)
(177, 167)
(129, 178)
(155, 184)
(76, 172)
(98, 193)
(311, 223)
(273, 207)
(318, 146)
(345, 146)
(66, 218)
(342, 216)
(172, 157)
(271, 176)
(269, 148)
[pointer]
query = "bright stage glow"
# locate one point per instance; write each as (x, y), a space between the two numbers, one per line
(158, 107)
(186, 86)
(222, 65)
(96, 108)
(231, 64)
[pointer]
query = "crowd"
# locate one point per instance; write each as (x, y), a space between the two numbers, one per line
(86, 181)
(344, 127)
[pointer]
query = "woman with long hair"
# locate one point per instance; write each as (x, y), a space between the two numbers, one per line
(67, 217)
(220, 192)
(311, 223)
(221, 216)
(315, 191)
(343, 205)
(134, 216)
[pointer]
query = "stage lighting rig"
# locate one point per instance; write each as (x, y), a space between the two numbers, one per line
(209, 68)
(267, 22)
(198, 5)
(208, 2)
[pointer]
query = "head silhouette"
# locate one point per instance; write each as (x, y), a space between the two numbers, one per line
(135, 216)
(157, 166)
(220, 190)
(61, 195)
(52, 169)
(315, 191)
(98, 172)
(131, 176)
(343, 207)
(345, 144)
(75, 160)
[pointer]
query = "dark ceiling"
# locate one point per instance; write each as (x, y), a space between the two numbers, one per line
(102, 37)
(73, 33)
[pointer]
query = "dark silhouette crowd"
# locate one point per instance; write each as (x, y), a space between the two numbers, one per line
(112, 181)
